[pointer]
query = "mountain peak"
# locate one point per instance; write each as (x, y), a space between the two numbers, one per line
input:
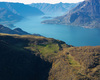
(86, 14)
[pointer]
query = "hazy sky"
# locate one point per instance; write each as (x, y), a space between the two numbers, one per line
(42, 1)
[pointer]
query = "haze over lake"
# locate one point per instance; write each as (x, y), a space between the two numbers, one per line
(73, 35)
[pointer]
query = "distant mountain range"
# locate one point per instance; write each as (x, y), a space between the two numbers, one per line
(86, 14)
(13, 12)
(21, 9)
(6, 15)
(54, 8)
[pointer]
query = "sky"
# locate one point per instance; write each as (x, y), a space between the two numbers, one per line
(42, 1)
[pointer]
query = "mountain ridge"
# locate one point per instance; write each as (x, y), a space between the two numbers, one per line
(4, 29)
(21, 9)
(48, 8)
(6, 15)
(14, 12)
(29, 57)
(17, 31)
(86, 14)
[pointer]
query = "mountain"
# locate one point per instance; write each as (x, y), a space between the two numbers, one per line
(86, 14)
(21, 9)
(11, 13)
(17, 63)
(6, 15)
(53, 8)
(29, 57)
(15, 31)
(18, 31)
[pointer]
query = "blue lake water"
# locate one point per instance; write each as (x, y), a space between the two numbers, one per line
(76, 36)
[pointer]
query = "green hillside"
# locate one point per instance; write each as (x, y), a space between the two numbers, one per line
(30, 57)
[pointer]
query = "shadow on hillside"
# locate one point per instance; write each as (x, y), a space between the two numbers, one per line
(21, 64)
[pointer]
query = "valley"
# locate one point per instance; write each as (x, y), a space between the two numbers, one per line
(44, 41)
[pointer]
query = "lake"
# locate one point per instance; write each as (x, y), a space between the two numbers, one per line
(72, 35)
